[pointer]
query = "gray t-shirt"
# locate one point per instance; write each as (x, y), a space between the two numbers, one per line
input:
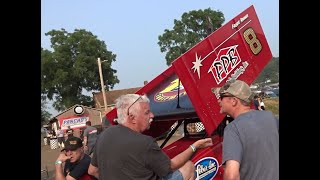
(91, 133)
(122, 153)
(252, 139)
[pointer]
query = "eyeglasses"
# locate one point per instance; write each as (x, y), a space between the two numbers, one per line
(133, 104)
(225, 95)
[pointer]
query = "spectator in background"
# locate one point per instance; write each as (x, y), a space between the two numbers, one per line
(256, 102)
(69, 132)
(54, 135)
(47, 132)
(50, 133)
(261, 103)
(81, 133)
(74, 160)
(89, 138)
(60, 136)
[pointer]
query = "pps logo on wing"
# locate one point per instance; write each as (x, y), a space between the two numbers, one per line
(227, 60)
(206, 168)
(170, 92)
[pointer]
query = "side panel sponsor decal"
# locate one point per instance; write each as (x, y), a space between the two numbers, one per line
(206, 168)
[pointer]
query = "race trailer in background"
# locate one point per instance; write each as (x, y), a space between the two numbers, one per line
(182, 94)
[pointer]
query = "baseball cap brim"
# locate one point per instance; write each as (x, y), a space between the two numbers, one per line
(70, 148)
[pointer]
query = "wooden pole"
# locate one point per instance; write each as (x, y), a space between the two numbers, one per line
(102, 86)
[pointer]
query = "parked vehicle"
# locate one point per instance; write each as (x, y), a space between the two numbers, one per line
(269, 94)
(276, 91)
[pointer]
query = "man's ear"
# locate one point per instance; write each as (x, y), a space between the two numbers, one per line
(131, 118)
(235, 101)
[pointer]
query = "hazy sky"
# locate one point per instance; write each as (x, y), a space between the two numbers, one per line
(130, 29)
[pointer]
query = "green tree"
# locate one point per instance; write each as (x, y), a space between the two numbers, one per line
(45, 115)
(72, 67)
(191, 29)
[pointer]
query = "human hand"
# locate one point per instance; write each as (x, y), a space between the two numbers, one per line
(203, 143)
(85, 148)
(63, 157)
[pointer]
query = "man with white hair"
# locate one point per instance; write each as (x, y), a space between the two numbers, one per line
(123, 152)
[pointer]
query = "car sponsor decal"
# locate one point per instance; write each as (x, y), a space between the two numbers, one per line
(227, 60)
(170, 92)
(206, 168)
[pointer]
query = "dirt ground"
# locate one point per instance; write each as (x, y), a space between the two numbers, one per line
(49, 156)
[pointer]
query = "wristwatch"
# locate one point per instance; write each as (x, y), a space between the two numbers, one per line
(58, 162)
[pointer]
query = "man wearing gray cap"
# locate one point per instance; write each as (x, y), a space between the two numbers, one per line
(251, 140)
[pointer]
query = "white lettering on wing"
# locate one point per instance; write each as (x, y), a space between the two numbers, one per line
(237, 23)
